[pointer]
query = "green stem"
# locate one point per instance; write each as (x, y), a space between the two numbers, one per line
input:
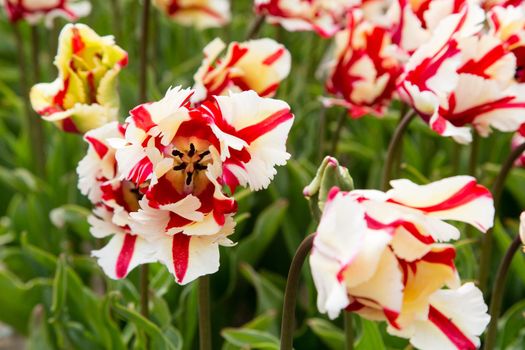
(255, 27)
(393, 146)
(349, 330)
(474, 154)
(290, 294)
(144, 290)
(322, 131)
(497, 293)
(497, 190)
(204, 313)
(339, 129)
(144, 44)
(33, 123)
(117, 14)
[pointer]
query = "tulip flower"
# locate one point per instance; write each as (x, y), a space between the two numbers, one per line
(326, 17)
(158, 180)
(84, 96)
(381, 255)
(258, 65)
(114, 201)
(365, 69)
(199, 13)
(34, 10)
(463, 77)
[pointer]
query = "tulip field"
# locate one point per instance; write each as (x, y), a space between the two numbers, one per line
(262, 174)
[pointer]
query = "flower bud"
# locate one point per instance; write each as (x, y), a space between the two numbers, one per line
(330, 174)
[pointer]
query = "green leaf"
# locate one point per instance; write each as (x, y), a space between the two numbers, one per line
(269, 297)
(511, 324)
(59, 289)
(250, 338)
(251, 249)
(39, 333)
(370, 337)
(19, 299)
(159, 340)
(329, 334)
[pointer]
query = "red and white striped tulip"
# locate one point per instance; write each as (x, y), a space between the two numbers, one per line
(326, 17)
(33, 11)
(258, 65)
(198, 13)
(365, 68)
(378, 254)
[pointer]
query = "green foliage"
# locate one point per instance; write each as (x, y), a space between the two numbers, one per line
(53, 293)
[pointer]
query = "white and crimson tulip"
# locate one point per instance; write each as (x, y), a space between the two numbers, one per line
(84, 96)
(258, 65)
(365, 69)
(199, 13)
(114, 201)
(379, 255)
(159, 179)
(34, 10)
(326, 17)
(464, 77)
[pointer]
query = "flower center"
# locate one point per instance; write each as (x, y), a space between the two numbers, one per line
(190, 162)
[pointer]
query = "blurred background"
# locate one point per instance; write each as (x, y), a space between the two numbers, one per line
(54, 296)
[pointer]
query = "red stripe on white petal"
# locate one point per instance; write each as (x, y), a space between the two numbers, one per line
(98, 146)
(125, 255)
(253, 132)
(453, 333)
(142, 118)
(468, 193)
(141, 171)
(274, 57)
(180, 255)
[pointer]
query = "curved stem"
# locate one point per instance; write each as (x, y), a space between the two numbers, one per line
(394, 145)
(290, 294)
(144, 43)
(497, 190)
(339, 129)
(497, 293)
(204, 313)
(349, 330)
(255, 27)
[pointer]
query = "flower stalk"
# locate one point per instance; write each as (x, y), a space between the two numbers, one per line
(394, 145)
(497, 293)
(204, 313)
(255, 27)
(290, 294)
(349, 331)
(497, 189)
(33, 124)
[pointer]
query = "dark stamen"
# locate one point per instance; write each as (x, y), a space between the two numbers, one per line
(188, 178)
(191, 152)
(181, 166)
(200, 166)
(176, 153)
(203, 154)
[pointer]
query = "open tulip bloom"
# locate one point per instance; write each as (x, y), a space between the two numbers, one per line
(384, 256)
(158, 181)
(84, 96)
(466, 76)
(33, 11)
(258, 65)
(326, 17)
(198, 13)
